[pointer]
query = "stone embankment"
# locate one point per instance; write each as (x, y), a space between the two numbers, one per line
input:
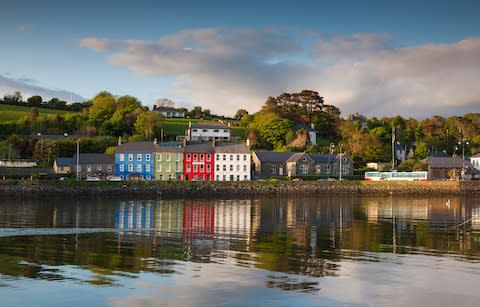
(29, 189)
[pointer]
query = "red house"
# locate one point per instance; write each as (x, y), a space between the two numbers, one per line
(198, 161)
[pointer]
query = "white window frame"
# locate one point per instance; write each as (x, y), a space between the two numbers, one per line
(121, 157)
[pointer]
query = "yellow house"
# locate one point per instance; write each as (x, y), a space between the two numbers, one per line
(62, 166)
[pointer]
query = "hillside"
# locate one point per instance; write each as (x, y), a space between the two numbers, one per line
(11, 113)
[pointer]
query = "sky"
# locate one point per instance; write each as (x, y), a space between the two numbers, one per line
(377, 58)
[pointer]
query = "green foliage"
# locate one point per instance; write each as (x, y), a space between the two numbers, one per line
(272, 130)
(421, 152)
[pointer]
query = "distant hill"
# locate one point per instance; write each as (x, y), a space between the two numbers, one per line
(9, 113)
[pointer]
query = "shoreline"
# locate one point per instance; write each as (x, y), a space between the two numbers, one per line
(44, 188)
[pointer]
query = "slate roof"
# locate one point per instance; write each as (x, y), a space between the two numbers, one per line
(137, 147)
(169, 147)
(167, 109)
(201, 147)
(317, 158)
(229, 147)
(94, 158)
(448, 162)
(273, 157)
(209, 125)
(63, 161)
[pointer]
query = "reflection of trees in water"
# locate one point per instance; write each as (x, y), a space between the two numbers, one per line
(289, 283)
(308, 236)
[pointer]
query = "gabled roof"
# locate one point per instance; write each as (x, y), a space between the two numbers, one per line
(201, 147)
(230, 147)
(63, 161)
(273, 157)
(323, 158)
(137, 147)
(445, 162)
(94, 158)
(209, 125)
(169, 147)
(167, 109)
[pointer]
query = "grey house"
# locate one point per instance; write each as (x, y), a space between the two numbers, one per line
(94, 164)
(269, 163)
(302, 164)
(441, 168)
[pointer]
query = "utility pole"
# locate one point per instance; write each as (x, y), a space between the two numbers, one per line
(393, 147)
(78, 157)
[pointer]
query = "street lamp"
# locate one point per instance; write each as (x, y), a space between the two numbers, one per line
(330, 152)
(78, 157)
(41, 144)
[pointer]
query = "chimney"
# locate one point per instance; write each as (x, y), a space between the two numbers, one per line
(248, 142)
(213, 142)
(184, 142)
(119, 140)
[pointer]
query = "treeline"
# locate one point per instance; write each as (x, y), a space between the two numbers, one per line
(16, 99)
(364, 139)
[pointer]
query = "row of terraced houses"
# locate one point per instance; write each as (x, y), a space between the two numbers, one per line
(192, 161)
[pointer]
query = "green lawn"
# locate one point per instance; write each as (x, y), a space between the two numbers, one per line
(9, 113)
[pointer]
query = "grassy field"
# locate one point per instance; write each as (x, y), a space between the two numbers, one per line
(177, 126)
(10, 113)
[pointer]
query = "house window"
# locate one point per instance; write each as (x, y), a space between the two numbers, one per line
(218, 178)
(121, 157)
(244, 157)
(169, 156)
(224, 178)
(188, 157)
(109, 168)
(238, 168)
(201, 157)
(273, 169)
(178, 168)
(231, 157)
(245, 177)
(147, 167)
(209, 157)
(139, 167)
(194, 157)
(89, 168)
(147, 157)
(159, 157)
(215, 130)
(225, 130)
(130, 157)
(318, 169)
(224, 157)
(178, 157)
(169, 167)
(244, 168)
(195, 168)
(170, 177)
(189, 168)
(99, 168)
(159, 168)
(231, 168)
(130, 167)
(160, 177)
(224, 168)
(209, 169)
(148, 177)
(327, 169)
(139, 157)
(201, 168)
(204, 130)
(217, 167)
(305, 169)
(195, 130)
(122, 167)
(238, 157)
(218, 157)
(238, 177)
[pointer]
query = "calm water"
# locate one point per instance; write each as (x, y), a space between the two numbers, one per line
(315, 251)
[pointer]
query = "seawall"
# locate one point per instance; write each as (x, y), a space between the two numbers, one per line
(32, 189)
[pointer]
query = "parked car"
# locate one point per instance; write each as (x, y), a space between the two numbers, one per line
(92, 178)
(115, 178)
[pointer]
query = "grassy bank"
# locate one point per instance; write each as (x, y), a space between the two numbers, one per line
(10, 113)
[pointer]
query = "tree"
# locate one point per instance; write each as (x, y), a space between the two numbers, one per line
(35, 101)
(421, 152)
(33, 114)
(148, 124)
(273, 131)
(240, 113)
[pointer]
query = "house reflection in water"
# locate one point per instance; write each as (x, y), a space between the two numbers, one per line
(134, 215)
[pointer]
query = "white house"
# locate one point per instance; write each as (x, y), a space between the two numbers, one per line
(208, 131)
(475, 160)
(169, 112)
(232, 162)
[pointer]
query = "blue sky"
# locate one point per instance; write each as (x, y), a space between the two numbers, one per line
(373, 57)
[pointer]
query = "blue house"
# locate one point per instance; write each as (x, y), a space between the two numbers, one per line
(135, 161)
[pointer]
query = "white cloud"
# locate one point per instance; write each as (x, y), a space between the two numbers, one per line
(224, 70)
(28, 88)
